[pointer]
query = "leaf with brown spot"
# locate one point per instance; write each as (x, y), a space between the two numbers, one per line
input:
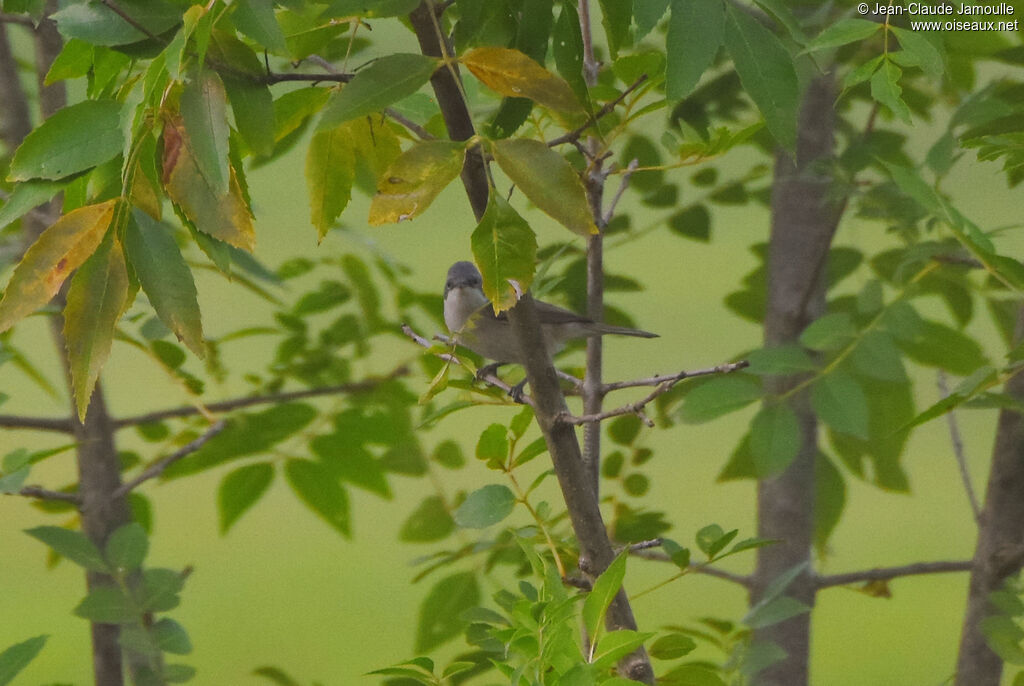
(411, 183)
(57, 252)
(226, 217)
(515, 75)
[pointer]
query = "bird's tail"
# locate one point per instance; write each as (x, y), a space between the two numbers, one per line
(600, 329)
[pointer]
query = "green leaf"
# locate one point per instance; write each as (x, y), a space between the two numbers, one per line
(781, 360)
(513, 74)
(829, 500)
(251, 102)
(695, 32)
(98, 24)
(839, 401)
(74, 61)
(690, 674)
(276, 675)
(255, 18)
(171, 637)
(73, 139)
(615, 645)
(25, 196)
(885, 88)
(692, 222)
(492, 446)
(406, 189)
(719, 397)
(352, 463)
(322, 493)
(240, 490)
(647, 14)
(127, 547)
(862, 73)
(567, 49)
(430, 521)
(384, 82)
(107, 605)
(672, 646)
(603, 593)
(330, 173)
(165, 277)
(178, 674)
(505, 249)
(774, 439)
(843, 32)
(72, 545)
(246, 434)
(204, 111)
(16, 658)
(712, 539)
(766, 71)
(831, 332)
(485, 506)
(774, 611)
(95, 301)
(440, 614)
(160, 588)
(616, 16)
(924, 52)
(938, 345)
(877, 356)
(547, 180)
(1004, 637)
(679, 555)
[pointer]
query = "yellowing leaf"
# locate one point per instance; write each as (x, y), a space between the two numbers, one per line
(330, 170)
(227, 216)
(515, 75)
(57, 252)
(413, 180)
(505, 248)
(97, 298)
(547, 180)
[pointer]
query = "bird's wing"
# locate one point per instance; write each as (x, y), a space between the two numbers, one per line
(547, 313)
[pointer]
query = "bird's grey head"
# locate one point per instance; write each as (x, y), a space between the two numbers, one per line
(463, 274)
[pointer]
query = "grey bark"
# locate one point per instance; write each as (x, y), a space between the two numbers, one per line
(999, 551)
(803, 223)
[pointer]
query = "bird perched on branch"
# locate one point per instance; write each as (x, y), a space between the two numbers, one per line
(471, 319)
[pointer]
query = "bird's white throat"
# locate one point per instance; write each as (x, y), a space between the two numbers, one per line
(460, 305)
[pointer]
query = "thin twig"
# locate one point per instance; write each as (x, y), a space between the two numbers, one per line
(886, 573)
(958, 448)
(574, 135)
(421, 132)
(706, 569)
(623, 185)
(637, 407)
(678, 376)
(41, 493)
(269, 399)
(158, 468)
(11, 421)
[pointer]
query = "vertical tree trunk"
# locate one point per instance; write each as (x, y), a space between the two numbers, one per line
(803, 223)
(1000, 548)
(99, 470)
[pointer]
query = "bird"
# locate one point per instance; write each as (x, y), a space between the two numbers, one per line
(470, 317)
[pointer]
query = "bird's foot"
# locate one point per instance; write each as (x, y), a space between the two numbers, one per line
(487, 370)
(516, 392)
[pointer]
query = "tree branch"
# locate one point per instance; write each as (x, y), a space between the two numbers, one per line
(664, 385)
(157, 468)
(6, 18)
(887, 573)
(678, 376)
(41, 493)
(11, 421)
(575, 134)
(268, 399)
(706, 569)
(591, 66)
